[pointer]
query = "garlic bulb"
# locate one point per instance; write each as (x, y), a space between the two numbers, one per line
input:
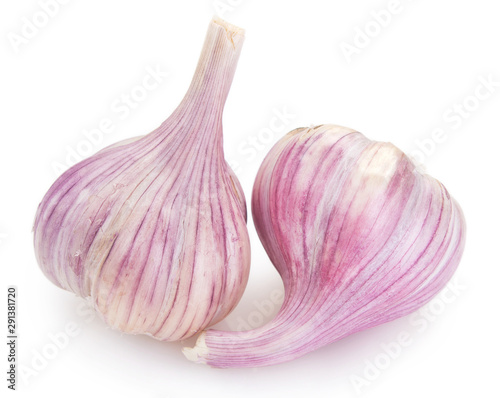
(153, 230)
(358, 234)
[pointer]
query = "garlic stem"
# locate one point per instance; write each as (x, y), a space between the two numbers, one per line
(213, 76)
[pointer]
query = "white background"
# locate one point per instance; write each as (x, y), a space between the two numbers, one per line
(430, 57)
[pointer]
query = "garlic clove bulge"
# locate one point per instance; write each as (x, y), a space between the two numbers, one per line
(153, 229)
(359, 236)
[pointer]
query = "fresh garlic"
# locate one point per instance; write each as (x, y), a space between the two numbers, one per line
(358, 234)
(153, 230)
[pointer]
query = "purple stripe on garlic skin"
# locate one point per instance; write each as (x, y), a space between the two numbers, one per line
(153, 229)
(358, 234)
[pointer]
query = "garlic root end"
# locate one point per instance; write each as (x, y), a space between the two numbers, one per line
(198, 352)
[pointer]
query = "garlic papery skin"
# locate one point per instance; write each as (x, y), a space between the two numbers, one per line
(359, 236)
(153, 230)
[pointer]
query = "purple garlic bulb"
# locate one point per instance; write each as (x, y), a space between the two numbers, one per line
(153, 230)
(359, 235)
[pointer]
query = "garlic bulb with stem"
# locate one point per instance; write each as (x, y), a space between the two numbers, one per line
(153, 230)
(358, 234)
